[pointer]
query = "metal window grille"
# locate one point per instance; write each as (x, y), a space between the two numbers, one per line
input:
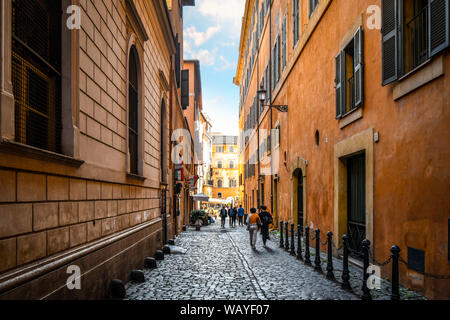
(36, 73)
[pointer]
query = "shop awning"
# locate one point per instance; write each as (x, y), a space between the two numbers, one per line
(200, 197)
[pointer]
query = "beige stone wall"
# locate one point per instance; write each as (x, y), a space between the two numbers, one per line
(52, 204)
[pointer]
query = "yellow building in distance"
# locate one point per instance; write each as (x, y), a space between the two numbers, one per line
(224, 174)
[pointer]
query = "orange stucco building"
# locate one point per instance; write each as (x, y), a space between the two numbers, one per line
(363, 147)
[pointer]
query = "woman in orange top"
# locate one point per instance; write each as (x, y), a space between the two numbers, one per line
(253, 225)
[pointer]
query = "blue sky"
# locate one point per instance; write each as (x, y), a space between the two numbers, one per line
(211, 35)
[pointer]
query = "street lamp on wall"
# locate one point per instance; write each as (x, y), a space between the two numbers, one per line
(262, 95)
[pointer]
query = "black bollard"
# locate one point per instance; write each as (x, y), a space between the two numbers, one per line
(150, 263)
(307, 260)
(281, 235)
(137, 276)
(159, 255)
(330, 274)
(116, 290)
(395, 295)
(166, 249)
(345, 271)
(299, 242)
(317, 262)
(292, 240)
(286, 244)
(366, 291)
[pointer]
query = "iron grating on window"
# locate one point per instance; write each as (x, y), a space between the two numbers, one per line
(36, 75)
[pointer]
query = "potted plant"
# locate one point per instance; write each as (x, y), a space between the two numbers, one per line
(198, 218)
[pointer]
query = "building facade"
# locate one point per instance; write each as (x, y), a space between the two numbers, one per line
(87, 114)
(225, 168)
(362, 148)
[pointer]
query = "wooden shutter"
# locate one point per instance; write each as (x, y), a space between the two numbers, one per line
(340, 85)
(184, 89)
(283, 41)
(359, 67)
(389, 45)
(438, 25)
(178, 61)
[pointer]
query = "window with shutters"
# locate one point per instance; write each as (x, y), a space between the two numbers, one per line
(184, 89)
(36, 73)
(276, 63)
(295, 21)
(312, 6)
(283, 45)
(350, 76)
(276, 138)
(413, 31)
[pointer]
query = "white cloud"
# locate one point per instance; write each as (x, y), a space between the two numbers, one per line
(199, 37)
(206, 57)
(227, 12)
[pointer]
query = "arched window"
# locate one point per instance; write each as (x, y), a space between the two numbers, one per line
(133, 100)
(219, 183)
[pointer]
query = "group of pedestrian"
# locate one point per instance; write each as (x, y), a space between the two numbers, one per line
(233, 214)
(259, 222)
(255, 221)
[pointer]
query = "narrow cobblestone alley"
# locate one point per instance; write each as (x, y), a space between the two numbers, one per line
(220, 264)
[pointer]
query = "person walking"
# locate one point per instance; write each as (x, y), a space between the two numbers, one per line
(230, 217)
(234, 217)
(223, 216)
(241, 213)
(266, 220)
(253, 225)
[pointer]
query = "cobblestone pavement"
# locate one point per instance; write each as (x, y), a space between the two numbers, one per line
(220, 265)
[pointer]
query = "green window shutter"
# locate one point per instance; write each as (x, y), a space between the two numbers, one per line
(389, 32)
(340, 85)
(283, 53)
(184, 89)
(438, 25)
(359, 67)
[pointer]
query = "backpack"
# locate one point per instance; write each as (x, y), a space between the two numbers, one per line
(266, 218)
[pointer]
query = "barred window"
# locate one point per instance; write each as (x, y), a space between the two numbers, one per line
(133, 131)
(36, 72)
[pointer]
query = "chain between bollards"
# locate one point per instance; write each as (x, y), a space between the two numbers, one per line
(345, 271)
(286, 244)
(307, 255)
(317, 262)
(366, 291)
(292, 240)
(299, 242)
(281, 235)
(330, 274)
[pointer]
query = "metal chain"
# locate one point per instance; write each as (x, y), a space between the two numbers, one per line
(378, 263)
(337, 248)
(426, 274)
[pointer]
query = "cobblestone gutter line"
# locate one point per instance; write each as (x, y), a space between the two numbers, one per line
(258, 290)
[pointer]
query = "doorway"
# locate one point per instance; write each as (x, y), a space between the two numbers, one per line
(356, 201)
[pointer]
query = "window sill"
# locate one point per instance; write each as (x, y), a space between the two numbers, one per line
(39, 154)
(136, 176)
(418, 77)
(350, 117)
